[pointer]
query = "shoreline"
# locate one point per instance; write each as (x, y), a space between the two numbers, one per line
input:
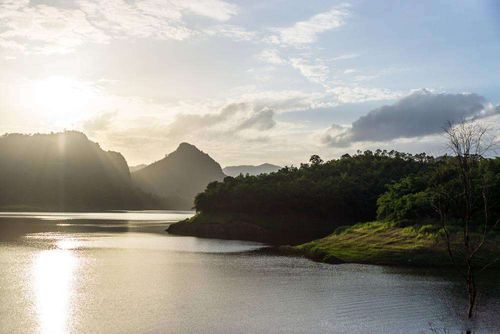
(376, 243)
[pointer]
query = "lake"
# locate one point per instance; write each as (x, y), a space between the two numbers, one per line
(119, 272)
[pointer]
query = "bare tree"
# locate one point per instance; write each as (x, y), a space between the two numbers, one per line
(468, 142)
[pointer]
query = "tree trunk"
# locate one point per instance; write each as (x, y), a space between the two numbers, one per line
(472, 291)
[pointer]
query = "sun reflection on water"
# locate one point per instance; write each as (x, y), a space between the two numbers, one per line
(67, 244)
(53, 271)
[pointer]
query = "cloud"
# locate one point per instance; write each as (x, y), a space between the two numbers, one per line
(48, 29)
(45, 28)
(346, 56)
(271, 56)
(332, 132)
(99, 123)
(232, 32)
(421, 113)
(357, 94)
(306, 32)
(316, 72)
(214, 9)
(231, 119)
(262, 120)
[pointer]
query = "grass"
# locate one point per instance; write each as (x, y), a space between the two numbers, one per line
(383, 243)
(378, 242)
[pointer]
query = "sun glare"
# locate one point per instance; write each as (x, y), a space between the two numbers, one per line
(62, 100)
(53, 271)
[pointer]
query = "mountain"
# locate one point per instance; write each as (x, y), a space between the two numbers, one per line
(251, 170)
(64, 171)
(180, 176)
(136, 168)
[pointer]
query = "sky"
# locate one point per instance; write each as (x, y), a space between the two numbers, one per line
(250, 81)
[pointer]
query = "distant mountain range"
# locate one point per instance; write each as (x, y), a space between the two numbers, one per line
(179, 176)
(251, 170)
(65, 171)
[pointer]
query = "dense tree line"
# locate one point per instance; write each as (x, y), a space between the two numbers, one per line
(315, 195)
(366, 186)
(424, 195)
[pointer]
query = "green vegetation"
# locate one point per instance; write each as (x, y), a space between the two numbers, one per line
(313, 199)
(384, 243)
(337, 202)
(420, 196)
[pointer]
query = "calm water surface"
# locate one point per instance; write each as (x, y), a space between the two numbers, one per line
(121, 273)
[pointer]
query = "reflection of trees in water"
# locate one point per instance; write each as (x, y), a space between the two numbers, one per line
(91, 226)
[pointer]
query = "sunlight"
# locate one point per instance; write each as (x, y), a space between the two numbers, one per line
(62, 100)
(67, 244)
(53, 271)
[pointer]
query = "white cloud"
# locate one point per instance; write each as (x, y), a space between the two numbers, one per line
(315, 71)
(232, 32)
(337, 86)
(282, 101)
(356, 94)
(47, 29)
(346, 56)
(214, 9)
(306, 32)
(271, 56)
(99, 122)
(318, 71)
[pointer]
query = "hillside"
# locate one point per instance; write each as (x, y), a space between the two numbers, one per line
(374, 207)
(295, 205)
(386, 243)
(180, 176)
(251, 170)
(64, 171)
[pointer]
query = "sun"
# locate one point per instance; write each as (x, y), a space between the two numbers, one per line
(62, 100)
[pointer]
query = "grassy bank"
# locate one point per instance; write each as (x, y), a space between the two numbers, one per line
(384, 243)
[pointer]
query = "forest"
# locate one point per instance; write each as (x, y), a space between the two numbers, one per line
(385, 185)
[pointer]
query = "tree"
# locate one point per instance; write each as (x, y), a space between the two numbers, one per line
(468, 142)
(315, 160)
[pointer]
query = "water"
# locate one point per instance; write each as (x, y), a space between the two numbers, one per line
(121, 273)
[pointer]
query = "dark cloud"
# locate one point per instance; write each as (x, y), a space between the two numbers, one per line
(419, 114)
(261, 120)
(234, 117)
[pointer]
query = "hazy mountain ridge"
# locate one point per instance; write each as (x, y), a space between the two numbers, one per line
(179, 176)
(67, 171)
(64, 171)
(264, 168)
